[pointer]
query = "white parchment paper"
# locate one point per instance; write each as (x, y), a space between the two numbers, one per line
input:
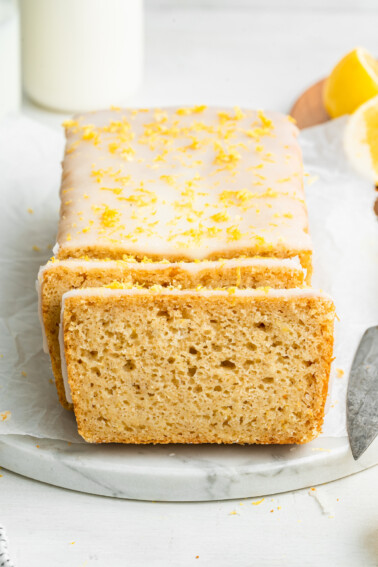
(343, 228)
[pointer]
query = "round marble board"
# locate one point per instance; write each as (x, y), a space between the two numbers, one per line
(181, 472)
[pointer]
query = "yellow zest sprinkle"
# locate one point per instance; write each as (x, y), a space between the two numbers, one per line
(238, 273)
(110, 217)
(36, 248)
(5, 415)
(115, 190)
(115, 285)
(191, 110)
(220, 217)
(258, 132)
(30, 211)
(195, 145)
(89, 133)
(229, 157)
(68, 237)
(266, 122)
(257, 502)
(144, 198)
(225, 116)
(113, 147)
(128, 154)
(260, 240)
(243, 196)
(168, 179)
(233, 233)
(70, 124)
(123, 179)
(98, 174)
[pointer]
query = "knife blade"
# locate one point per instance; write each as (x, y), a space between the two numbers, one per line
(362, 396)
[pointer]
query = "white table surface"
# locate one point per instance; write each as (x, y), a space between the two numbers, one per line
(247, 57)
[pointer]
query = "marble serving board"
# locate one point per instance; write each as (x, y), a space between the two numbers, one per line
(181, 472)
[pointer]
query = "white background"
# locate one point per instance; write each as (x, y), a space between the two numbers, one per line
(258, 54)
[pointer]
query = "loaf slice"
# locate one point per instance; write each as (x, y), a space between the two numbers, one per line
(215, 366)
(58, 277)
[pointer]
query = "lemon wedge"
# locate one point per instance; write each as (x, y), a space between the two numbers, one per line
(361, 139)
(352, 82)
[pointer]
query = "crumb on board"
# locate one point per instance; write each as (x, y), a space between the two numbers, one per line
(339, 372)
(5, 415)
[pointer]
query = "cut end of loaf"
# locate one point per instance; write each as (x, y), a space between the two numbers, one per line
(195, 368)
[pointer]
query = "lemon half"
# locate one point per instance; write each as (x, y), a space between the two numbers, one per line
(361, 139)
(352, 82)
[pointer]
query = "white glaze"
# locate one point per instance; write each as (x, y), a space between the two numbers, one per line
(274, 218)
(258, 293)
(190, 267)
(67, 387)
(38, 286)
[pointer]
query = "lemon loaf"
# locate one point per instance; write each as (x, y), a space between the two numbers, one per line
(58, 277)
(183, 184)
(186, 366)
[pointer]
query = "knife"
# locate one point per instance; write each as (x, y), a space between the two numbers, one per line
(362, 396)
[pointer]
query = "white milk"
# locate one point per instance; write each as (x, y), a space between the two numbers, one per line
(10, 82)
(81, 54)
